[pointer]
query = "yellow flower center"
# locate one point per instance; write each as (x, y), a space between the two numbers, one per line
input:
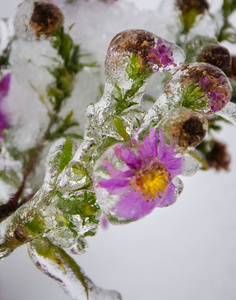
(152, 181)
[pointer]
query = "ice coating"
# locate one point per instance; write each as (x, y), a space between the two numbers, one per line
(53, 212)
(229, 113)
(37, 20)
(201, 87)
(57, 264)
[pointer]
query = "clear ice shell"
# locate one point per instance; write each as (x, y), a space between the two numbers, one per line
(228, 113)
(58, 265)
(179, 186)
(40, 27)
(200, 86)
(190, 167)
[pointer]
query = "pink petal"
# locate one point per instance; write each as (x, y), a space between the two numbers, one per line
(114, 185)
(169, 196)
(129, 157)
(134, 206)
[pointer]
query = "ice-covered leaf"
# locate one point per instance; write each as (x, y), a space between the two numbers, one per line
(57, 264)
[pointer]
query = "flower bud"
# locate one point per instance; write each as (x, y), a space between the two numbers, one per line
(218, 157)
(37, 20)
(133, 53)
(190, 9)
(218, 56)
(184, 128)
(200, 6)
(201, 87)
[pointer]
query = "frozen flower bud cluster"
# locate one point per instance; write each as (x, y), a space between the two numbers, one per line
(128, 161)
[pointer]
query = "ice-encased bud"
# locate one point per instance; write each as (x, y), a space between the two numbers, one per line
(186, 6)
(37, 20)
(189, 11)
(134, 52)
(201, 87)
(208, 50)
(216, 55)
(184, 128)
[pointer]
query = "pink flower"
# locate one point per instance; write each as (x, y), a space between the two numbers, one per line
(133, 178)
(161, 56)
(4, 88)
(215, 93)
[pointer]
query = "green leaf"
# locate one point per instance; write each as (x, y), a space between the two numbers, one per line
(120, 128)
(193, 97)
(228, 7)
(4, 58)
(35, 227)
(85, 205)
(125, 101)
(188, 19)
(66, 155)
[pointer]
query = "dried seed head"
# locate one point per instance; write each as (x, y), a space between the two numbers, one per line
(218, 56)
(187, 5)
(233, 68)
(37, 20)
(184, 128)
(45, 19)
(219, 158)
